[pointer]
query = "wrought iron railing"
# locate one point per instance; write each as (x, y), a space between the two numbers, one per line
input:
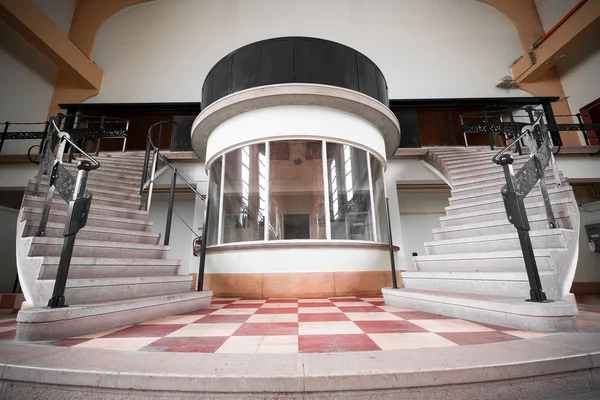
(72, 190)
(519, 184)
(150, 174)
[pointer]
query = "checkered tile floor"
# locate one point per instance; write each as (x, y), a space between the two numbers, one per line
(337, 324)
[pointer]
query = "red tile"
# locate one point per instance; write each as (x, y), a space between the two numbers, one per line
(277, 311)
(187, 344)
(242, 306)
(202, 311)
(351, 300)
(145, 331)
(377, 303)
(494, 327)
(220, 319)
(469, 338)
(282, 301)
(322, 317)
(335, 343)
(366, 308)
(9, 323)
(8, 335)
(70, 342)
(419, 315)
(388, 327)
(7, 301)
(266, 328)
(315, 305)
(222, 301)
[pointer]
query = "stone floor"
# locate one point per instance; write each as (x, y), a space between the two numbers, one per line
(337, 324)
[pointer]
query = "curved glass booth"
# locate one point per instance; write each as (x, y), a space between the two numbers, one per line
(295, 133)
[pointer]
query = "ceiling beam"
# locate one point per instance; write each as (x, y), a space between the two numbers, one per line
(582, 26)
(35, 27)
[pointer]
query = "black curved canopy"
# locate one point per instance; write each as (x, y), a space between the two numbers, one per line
(294, 59)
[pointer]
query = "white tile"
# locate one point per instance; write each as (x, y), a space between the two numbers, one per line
(374, 316)
(222, 329)
(424, 338)
(343, 328)
(235, 311)
(101, 333)
(124, 344)
(249, 302)
(314, 301)
(285, 318)
(261, 318)
(450, 325)
(313, 328)
(527, 335)
(351, 304)
(173, 319)
(395, 309)
(233, 349)
(225, 298)
(276, 340)
(193, 330)
(318, 310)
(280, 348)
(342, 297)
(244, 340)
(279, 305)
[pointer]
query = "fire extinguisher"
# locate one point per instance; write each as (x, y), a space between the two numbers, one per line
(197, 246)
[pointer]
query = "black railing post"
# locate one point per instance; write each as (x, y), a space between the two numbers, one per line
(145, 170)
(585, 136)
(79, 209)
(102, 121)
(170, 210)
(515, 132)
(488, 130)
(391, 244)
(203, 248)
(160, 129)
(515, 210)
(76, 126)
(6, 125)
(551, 120)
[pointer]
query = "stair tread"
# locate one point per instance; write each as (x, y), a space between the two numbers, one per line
(94, 206)
(96, 282)
(475, 275)
(99, 229)
(561, 189)
(98, 243)
(489, 223)
(92, 216)
(498, 209)
(536, 233)
(117, 262)
(487, 255)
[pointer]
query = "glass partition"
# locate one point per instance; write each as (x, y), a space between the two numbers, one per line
(296, 208)
(289, 189)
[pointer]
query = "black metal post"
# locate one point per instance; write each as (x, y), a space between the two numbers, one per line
(6, 125)
(488, 130)
(203, 249)
(516, 133)
(79, 209)
(102, 133)
(44, 136)
(16, 284)
(517, 215)
(585, 136)
(145, 170)
(170, 210)
(391, 244)
(160, 129)
(550, 120)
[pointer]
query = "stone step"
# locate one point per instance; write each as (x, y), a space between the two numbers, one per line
(494, 184)
(96, 290)
(459, 169)
(474, 160)
(54, 229)
(496, 176)
(500, 226)
(57, 323)
(52, 247)
(540, 239)
(514, 312)
(35, 213)
(466, 158)
(95, 209)
(555, 194)
(93, 184)
(90, 268)
(105, 192)
(507, 261)
(506, 284)
(98, 199)
(492, 193)
(484, 170)
(560, 207)
(108, 173)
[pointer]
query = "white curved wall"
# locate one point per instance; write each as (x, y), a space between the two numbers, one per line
(294, 122)
(162, 50)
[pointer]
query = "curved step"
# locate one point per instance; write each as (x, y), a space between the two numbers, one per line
(99, 210)
(52, 247)
(90, 267)
(115, 194)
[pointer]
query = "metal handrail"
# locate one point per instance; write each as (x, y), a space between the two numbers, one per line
(524, 132)
(66, 137)
(95, 117)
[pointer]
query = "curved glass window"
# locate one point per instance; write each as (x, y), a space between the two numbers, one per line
(297, 190)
